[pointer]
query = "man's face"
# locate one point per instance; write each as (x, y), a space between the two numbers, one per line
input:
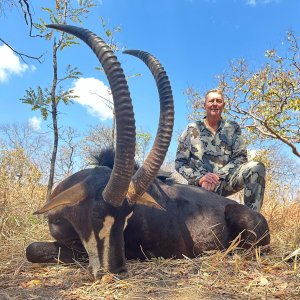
(214, 105)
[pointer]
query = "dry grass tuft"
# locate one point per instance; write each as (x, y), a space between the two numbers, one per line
(212, 276)
(284, 222)
(215, 275)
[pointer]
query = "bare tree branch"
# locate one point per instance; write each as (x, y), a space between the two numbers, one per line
(23, 55)
(281, 138)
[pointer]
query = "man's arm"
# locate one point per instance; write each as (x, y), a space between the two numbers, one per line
(183, 164)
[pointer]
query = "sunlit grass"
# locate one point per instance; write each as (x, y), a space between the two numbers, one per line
(230, 274)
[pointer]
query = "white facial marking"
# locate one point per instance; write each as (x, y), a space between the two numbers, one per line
(104, 235)
(91, 247)
(126, 220)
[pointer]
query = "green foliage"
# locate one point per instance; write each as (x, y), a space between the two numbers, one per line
(110, 34)
(44, 99)
(143, 140)
(266, 102)
(64, 10)
(47, 100)
(109, 37)
(39, 100)
(195, 104)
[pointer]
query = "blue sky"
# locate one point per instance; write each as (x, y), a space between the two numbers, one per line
(193, 39)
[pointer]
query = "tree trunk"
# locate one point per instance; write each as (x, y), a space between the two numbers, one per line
(54, 122)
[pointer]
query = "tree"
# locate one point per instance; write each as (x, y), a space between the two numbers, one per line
(97, 138)
(195, 102)
(34, 143)
(26, 9)
(47, 100)
(266, 102)
(282, 182)
(109, 33)
(143, 140)
(101, 137)
(67, 159)
(20, 189)
(110, 104)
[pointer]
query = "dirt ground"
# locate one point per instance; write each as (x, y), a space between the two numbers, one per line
(212, 276)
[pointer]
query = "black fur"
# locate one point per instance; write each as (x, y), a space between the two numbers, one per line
(105, 157)
(193, 221)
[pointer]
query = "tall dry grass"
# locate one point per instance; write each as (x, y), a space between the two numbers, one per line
(21, 193)
(212, 276)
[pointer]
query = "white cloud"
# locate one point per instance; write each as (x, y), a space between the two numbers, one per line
(251, 2)
(270, 1)
(35, 123)
(10, 64)
(257, 2)
(94, 95)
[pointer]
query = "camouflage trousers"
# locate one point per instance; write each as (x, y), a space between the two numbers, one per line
(251, 177)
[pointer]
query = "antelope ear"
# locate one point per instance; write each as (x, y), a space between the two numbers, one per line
(144, 199)
(70, 196)
(147, 200)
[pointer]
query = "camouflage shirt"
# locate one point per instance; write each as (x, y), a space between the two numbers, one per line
(200, 151)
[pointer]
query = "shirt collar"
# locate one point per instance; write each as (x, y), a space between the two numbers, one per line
(221, 124)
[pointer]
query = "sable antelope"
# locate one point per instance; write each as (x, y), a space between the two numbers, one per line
(110, 212)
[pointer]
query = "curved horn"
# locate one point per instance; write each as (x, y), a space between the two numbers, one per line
(116, 189)
(146, 173)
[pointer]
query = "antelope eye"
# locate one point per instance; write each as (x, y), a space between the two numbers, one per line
(57, 221)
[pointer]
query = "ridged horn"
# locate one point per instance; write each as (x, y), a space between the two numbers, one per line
(146, 173)
(116, 189)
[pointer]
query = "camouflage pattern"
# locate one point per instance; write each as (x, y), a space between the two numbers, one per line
(251, 176)
(223, 153)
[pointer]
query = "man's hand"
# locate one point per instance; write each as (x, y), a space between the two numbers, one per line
(209, 181)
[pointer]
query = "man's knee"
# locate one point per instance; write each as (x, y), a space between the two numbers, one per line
(259, 168)
(256, 167)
